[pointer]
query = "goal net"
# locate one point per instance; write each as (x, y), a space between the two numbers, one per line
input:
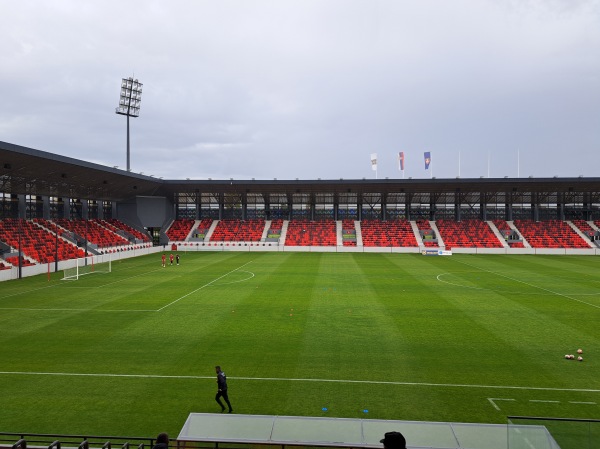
(88, 265)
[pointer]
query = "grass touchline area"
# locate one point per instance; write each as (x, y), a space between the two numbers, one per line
(346, 381)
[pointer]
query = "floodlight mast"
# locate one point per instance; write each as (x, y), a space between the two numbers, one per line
(129, 105)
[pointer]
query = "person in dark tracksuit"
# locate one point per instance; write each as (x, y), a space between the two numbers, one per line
(222, 389)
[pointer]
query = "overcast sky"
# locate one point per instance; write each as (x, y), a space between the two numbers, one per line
(308, 89)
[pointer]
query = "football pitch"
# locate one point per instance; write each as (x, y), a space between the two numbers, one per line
(466, 338)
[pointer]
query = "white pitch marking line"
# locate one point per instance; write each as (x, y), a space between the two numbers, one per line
(119, 310)
(531, 285)
(498, 399)
(541, 400)
(127, 278)
(581, 402)
(28, 291)
(200, 288)
(242, 280)
(380, 382)
(115, 282)
(439, 278)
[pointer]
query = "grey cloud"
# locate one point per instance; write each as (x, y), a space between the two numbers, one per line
(308, 89)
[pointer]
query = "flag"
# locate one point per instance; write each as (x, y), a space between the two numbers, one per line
(427, 159)
(401, 160)
(374, 161)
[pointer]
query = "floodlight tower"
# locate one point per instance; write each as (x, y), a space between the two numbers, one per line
(129, 104)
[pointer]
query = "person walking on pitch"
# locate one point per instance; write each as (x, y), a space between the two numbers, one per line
(222, 389)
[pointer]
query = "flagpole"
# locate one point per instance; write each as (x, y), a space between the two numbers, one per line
(518, 163)
(401, 162)
(459, 164)
(488, 164)
(374, 163)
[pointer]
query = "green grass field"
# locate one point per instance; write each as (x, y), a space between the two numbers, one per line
(406, 337)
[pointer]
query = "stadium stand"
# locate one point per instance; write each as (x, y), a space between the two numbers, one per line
(397, 233)
(470, 233)
(93, 231)
(203, 227)
(584, 227)
(276, 225)
(505, 229)
(14, 261)
(37, 243)
(348, 233)
(550, 234)
(502, 225)
(587, 230)
(425, 228)
(117, 225)
(311, 233)
(180, 229)
(232, 230)
(275, 230)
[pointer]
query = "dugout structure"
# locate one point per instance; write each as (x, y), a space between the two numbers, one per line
(204, 430)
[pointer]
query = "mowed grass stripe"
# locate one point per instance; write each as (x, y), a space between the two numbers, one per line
(554, 282)
(382, 322)
(548, 323)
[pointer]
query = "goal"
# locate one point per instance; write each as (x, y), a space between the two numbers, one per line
(88, 265)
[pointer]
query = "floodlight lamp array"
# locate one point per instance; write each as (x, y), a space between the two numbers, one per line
(131, 97)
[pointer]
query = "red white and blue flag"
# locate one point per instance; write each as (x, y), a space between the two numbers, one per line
(401, 160)
(427, 160)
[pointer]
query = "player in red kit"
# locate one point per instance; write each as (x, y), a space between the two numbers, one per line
(164, 258)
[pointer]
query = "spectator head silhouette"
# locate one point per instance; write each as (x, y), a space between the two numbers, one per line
(394, 440)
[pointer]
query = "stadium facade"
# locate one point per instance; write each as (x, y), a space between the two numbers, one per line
(38, 184)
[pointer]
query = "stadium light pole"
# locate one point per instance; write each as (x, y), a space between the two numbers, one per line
(129, 105)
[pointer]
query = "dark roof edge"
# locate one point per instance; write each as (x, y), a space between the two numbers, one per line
(69, 160)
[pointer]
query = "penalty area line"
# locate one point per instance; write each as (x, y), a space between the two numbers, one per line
(530, 285)
(282, 379)
(205, 285)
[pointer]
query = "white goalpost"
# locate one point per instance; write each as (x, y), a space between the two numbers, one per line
(88, 265)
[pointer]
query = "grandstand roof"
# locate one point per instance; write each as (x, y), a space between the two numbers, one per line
(28, 171)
